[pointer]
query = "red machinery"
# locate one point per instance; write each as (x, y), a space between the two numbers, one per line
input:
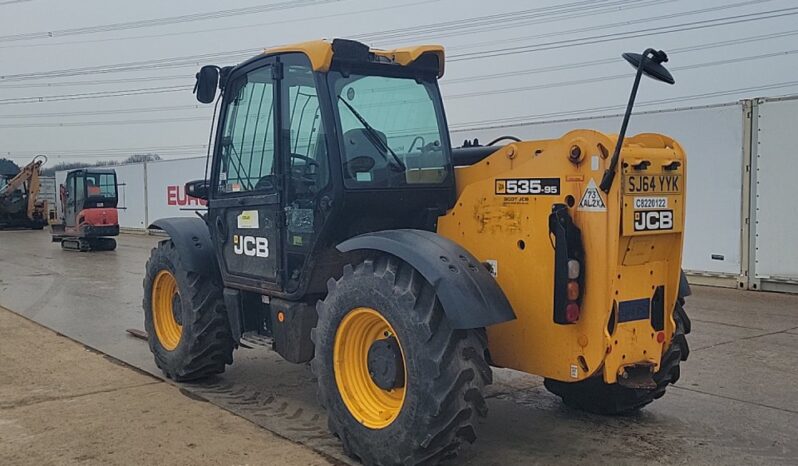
(89, 213)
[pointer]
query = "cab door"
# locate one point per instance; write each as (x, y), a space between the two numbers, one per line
(244, 208)
(74, 194)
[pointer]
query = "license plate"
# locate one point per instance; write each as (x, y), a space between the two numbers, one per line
(652, 184)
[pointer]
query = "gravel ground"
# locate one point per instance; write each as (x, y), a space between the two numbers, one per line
(61, 403)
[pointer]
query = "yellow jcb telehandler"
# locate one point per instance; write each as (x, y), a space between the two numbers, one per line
(343, 225)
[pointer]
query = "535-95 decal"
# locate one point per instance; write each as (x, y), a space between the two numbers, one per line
(531, 186)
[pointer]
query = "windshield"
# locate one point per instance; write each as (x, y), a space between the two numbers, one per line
(101, 185)
(393, 132)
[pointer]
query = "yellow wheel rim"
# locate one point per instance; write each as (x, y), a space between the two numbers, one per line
(164, 299)
(371, 405)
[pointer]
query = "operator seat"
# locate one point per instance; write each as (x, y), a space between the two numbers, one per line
(360, 151)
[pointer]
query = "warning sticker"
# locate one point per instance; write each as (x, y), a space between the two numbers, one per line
(247, 219)
(591, 200)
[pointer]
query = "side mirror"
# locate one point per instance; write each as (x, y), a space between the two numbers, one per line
(198, 189)
(207, 83)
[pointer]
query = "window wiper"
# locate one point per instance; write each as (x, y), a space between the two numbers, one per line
(374, 137)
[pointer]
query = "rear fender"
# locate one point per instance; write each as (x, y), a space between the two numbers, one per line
(470, 296)
(193, 242)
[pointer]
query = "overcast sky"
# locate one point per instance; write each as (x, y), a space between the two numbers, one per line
(509, 61)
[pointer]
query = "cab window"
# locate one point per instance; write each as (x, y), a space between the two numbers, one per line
(80, 190)
(393, 131)
(302, 126)
(101, 185)
(247, 161)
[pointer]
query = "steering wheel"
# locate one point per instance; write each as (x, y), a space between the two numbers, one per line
(306, 175)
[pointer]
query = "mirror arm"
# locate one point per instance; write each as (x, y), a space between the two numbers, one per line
(609, 173)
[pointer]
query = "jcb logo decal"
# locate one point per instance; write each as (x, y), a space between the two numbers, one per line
(253, 246)
(654, 220)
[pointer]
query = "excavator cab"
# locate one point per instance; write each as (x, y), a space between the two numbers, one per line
(89, 204)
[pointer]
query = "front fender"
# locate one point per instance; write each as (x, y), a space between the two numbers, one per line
(193, 242)
(470, 296)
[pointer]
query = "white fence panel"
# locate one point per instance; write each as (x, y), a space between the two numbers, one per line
(166, 196)
(775, 203)
(713, 139)
(132, 197)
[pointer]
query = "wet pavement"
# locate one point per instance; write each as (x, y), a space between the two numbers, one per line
(735, 403)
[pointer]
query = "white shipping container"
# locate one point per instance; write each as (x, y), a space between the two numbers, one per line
(774, 204)
(166, 195)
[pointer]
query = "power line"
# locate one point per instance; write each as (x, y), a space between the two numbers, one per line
(611, 60)
(510, 19)
(523, 119)
(449, 97)
(304, 19)
(115, 149)
(481, 93)
(103, 123)
(590, 40)
(481, 124)
(536, 70)
(172, 62)
(164, 21)
(94, 95)
(514, 90)
(616, 25)
(99, 82)
(114, 111)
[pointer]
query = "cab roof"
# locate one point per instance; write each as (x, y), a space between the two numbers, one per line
(321, 52)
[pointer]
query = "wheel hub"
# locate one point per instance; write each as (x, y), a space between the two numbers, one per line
(385, 364)
(365, 354)
(167, 309)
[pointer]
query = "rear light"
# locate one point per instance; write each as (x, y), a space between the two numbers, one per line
(573, 290)
(572, 312)
(660, 337)
(573, 269)
(568, 274)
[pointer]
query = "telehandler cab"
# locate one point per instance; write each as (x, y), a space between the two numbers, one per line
(343, 225)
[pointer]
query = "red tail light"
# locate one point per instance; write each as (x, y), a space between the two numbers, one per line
(573, 290)
(572, 312)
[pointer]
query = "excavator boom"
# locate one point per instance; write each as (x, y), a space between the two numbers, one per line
(20, 206)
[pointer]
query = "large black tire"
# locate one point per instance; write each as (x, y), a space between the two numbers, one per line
(445, 368)
(595, 396)
(205, 344)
